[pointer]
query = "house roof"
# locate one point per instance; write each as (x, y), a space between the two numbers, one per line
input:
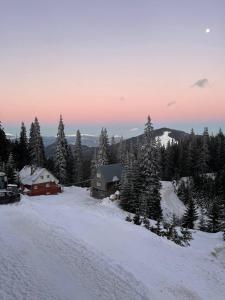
(111, 172)
(27, 178)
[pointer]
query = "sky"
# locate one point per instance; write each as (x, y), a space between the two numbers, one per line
(111, 63)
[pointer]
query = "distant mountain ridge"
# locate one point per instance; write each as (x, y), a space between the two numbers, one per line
(90, 142)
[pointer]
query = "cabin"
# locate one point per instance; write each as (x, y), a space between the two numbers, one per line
(38, 181)
(106, 180)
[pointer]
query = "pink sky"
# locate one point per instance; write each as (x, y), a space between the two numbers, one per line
(113, 63)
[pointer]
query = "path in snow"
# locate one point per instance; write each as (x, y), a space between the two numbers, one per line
(40, 262)
(73, 247)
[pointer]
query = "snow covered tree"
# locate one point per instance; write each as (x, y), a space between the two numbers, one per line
(216, 215)
(202, 220)
(78, 160)
(11, 170)
(3, 144)
(36, 147)
(190, 215)
(61, 154)
(150, 195)
(113, 151)
(23, 155)
(121, 153)
(126, 186)
(204, 154)
(103, 149)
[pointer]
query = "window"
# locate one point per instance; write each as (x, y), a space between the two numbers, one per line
(42, 177)
(35, 187)
(47, 185)
(98, 175)
(98, 183)
(48, 176)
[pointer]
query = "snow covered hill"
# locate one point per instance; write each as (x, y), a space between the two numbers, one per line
(73, 247)
(165, 138)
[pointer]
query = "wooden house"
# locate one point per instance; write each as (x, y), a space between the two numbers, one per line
(106, 180)
(38, 181)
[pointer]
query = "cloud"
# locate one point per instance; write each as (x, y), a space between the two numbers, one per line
(201, 83)
(134, 129)
(171, 103)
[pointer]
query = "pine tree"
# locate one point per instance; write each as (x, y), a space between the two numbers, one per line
(61, 154)
(23, 155)
(126, 186)
(113, 151)
(36, 147)
(215, 217)
(202, 220)
(78, 161)
(121, 153)
(190, 215)
(4, 144)
(204, 154)
(11, 170)
(103, 149)
(150, 195)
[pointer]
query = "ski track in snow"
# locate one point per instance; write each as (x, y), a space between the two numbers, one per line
(73, 247)
(81, 273)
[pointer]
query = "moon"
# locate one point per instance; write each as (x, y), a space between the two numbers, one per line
(207, 30)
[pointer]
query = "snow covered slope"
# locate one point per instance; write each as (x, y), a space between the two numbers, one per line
(170, 203)
(165, 138)
(73, 247)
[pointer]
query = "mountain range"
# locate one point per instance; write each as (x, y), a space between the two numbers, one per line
(90, 142)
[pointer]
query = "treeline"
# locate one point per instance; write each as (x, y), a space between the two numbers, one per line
(198, 159)
(196, 166)
(29, 150)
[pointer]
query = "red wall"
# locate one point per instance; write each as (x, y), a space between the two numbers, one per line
(42, 189)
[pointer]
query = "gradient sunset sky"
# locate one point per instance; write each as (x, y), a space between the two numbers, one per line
(110, 63)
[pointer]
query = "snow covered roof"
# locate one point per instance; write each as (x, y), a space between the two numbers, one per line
(27, 178)
(111, 172)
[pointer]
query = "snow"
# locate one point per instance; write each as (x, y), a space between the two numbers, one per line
(170, 203)
(165, 138)
(28, 179)
(71, 246)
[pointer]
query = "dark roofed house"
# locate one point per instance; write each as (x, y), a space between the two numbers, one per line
(106, 180)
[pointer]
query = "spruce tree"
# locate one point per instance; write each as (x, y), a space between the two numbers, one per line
(78, 160)
(23, 155)
(4, 144)
(36, 147)
(11, 170)
(215, 216)
(190, 215)
(204, 154)
(61, 154)
(126, 186)
(150, 195)
(103, 149)
(202, 220)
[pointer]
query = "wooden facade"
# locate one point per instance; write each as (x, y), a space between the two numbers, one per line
(39, 181)
(106, 180)
(48, 188)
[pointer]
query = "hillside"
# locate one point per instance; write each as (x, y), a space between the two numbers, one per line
(72, 246)
(89, 142)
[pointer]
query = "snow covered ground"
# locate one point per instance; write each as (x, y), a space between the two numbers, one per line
(73, 247)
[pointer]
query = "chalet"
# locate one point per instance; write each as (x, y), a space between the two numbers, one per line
(106, 180)
(38, 181)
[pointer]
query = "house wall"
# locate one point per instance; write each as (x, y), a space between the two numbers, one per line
(47, 188)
